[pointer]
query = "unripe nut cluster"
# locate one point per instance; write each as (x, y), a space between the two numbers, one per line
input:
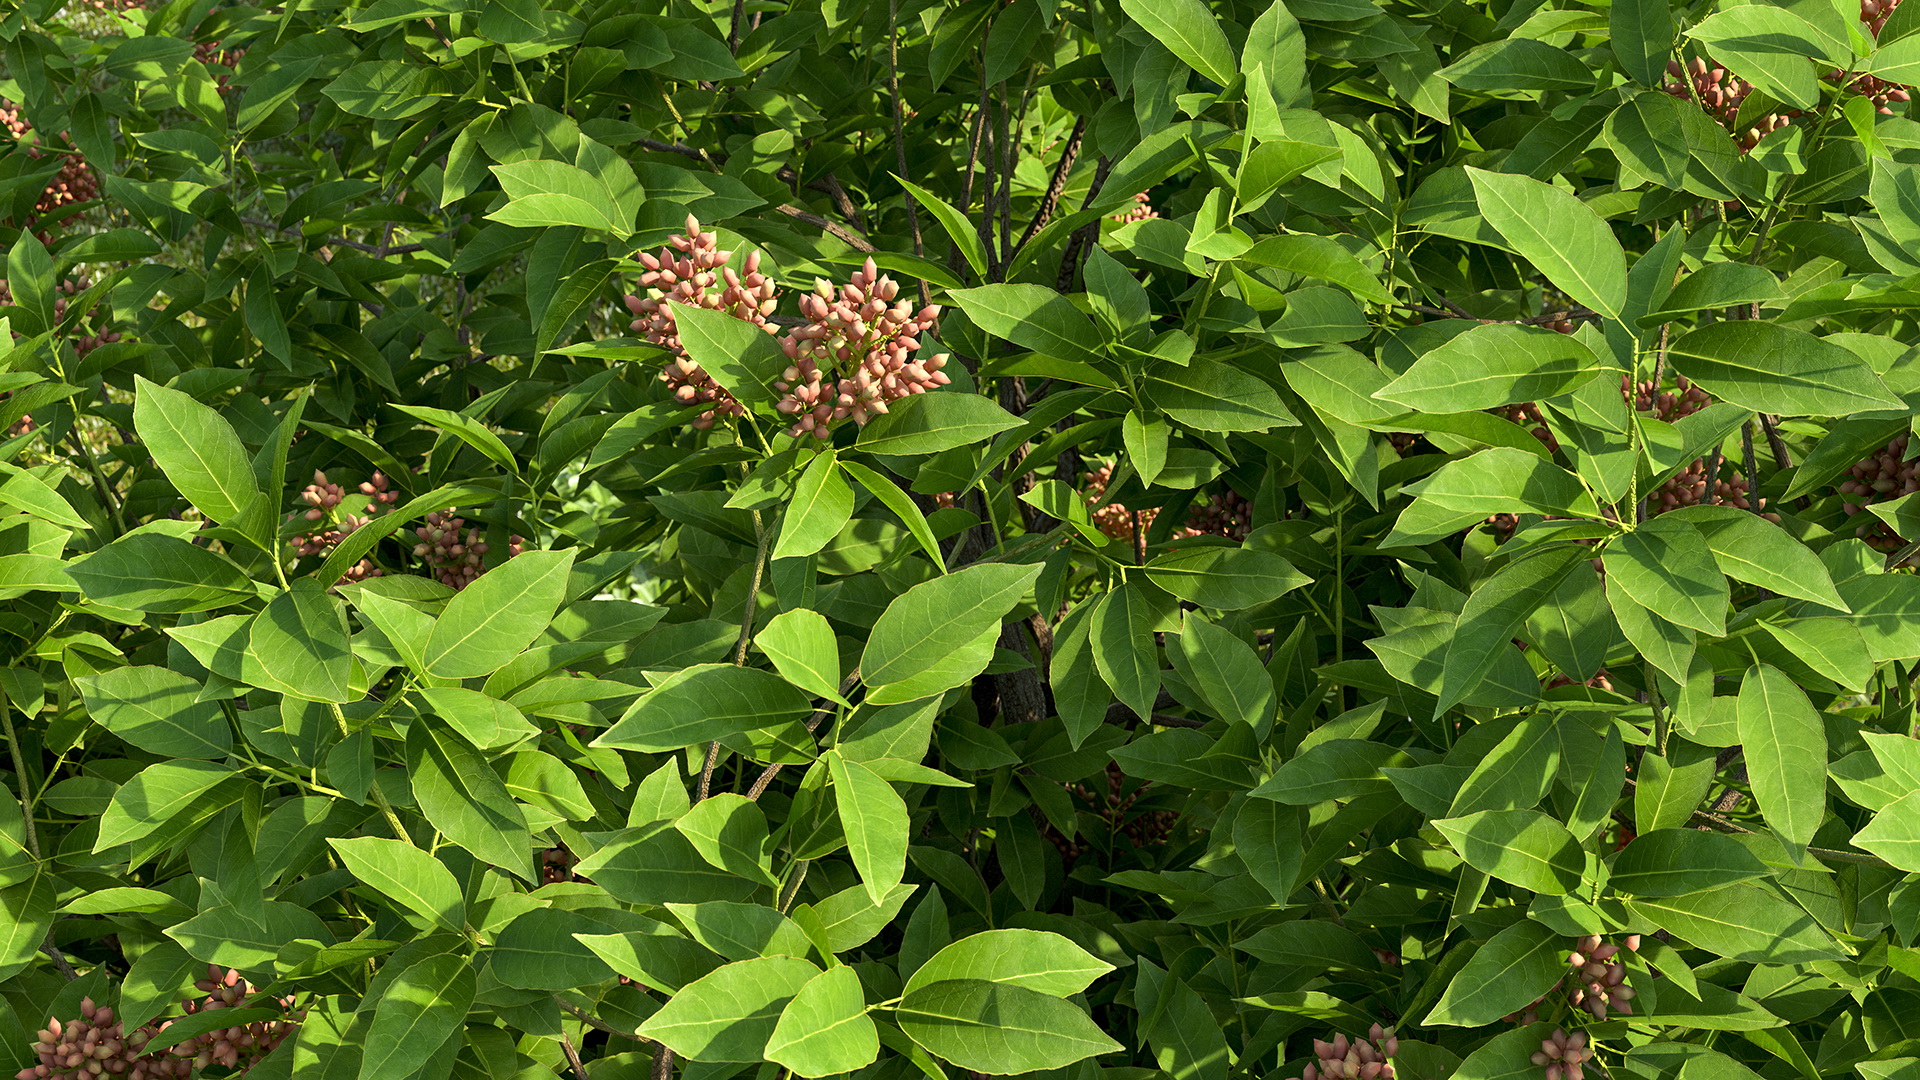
(1355, 1059)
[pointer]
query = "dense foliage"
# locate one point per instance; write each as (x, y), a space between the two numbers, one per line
(1272, 538)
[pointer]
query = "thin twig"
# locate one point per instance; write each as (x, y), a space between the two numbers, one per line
(899, 131)
(566, 1044)
(662, 1063)
(733, 28)
(595, 1022)
(819, 717)
(851, 239)
(1085, 234)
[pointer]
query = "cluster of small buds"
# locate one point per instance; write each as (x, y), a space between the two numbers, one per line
(1883, 476)
(74, 183)
(687, 272)
(97, 1045)
(456, 559)
(83, 342)
(1689, 488)
(1720, 94)
(1225, 513)
(1140, 211)
(1364, 1059)
(326, 528)
(1684, 399)
(1600, 979)
(240, 1046)
(1527, 414)
(1564, 1055)
(556, 864)
(1875, 12)
(211, 54)
(854, 353)
(1150, 828)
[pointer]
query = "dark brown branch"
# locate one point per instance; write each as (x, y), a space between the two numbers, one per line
(1082, 236)
(899, 133)
(1051, 201)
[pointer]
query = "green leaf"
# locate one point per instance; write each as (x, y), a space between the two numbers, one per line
(657, 864)
(1033, 317)
(1785, 746)
(1517, 773)
(822, 505)
(931, 422)
(1770, 47)
(1502, 480)
(742, 931)
(875, 820)
(730, 831)
(1226, 673)
(850, 918)
(158, 711)
(966, 239)
(705, 702)
(1894, 833)
(298, 646)
(1667, 568)
(730, 1014)
(543, 193)
(825, 1029)
(1641, 33)
(1225, 578)
(486, 722)
(1506, 1056)
(156, 796)
(1505, 975)
(467, 430)
(1667, 646)
(1493, 365)
(1752, 549)
(26, 917)
(466, 800)
(29, 494)
(404, 873)
(1558, 234)
(1033, 959)
(931, 621)
(1318, 257)
(1771, 368)
(801, 645)
(1121, 633)
(1335, 769)
(197, 449)
(1497, 611)
(385, 89)
(160, 574)
(490, 621)
(739, 355)
(1715, 285)
(419, 1009)
(902, 506)
(1209, 394)
(1746, 922)
(1521, 847)
(999, 1029)
(1518, 64)
(1675, 862)
(1189, 31)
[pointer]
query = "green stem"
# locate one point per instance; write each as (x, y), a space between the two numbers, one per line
(20, 774)
(373, 788)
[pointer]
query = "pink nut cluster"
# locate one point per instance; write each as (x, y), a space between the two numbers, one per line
(1684, 399)
(1225, 513)
(1599, 980)
(1354, 1059)
(456, 559)
(96, 1044)
(867, 336)
(1564, 1055)
(1884, 475)
(1140, 211)
(687, 273)
(326, 530)
(74, 183)
(1720, 95)
(83, 343)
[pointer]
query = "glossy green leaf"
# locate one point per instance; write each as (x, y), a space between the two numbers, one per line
(418, 1010)
(825, 1029)
(197, 448)
(1522, 847)
(702, 703)
(1675, 862)
(1189, 31)
(730, 1014)
(1557, 233)
(157, 710)
(931, 621)
(490, 621)
(875, 820)
(999, 1029)
(1777, 369)
(403, 873)
(1504, 976)
(1785, 746)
